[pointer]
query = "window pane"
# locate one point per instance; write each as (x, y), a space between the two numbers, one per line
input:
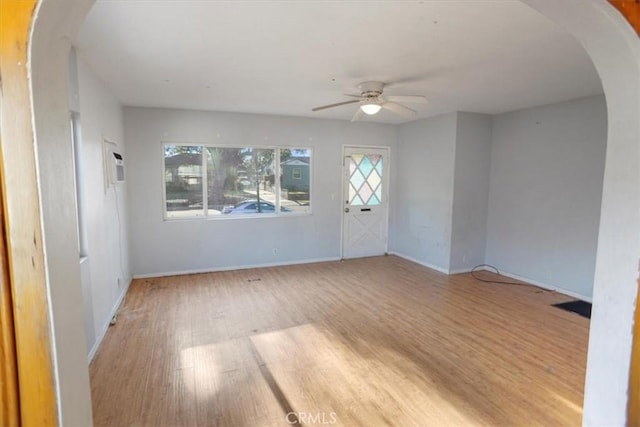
(295, 180)
(238, 178)
(183, 181)
(365, 181)
(225, 180)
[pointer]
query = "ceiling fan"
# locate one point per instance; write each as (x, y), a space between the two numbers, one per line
(372, 101)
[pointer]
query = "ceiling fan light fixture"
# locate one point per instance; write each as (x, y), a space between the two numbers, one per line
(371, 101)
(370, 107)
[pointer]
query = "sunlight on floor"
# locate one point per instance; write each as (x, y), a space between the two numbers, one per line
(569, 404)
(312, 365)
(201, 370)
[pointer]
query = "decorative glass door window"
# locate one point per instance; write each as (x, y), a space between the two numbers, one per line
(365, 179)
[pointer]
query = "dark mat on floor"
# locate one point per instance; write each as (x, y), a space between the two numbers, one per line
(580, 307)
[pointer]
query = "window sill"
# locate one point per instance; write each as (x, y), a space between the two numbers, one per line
(225, 217)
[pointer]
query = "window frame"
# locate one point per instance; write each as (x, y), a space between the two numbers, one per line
(205, 202)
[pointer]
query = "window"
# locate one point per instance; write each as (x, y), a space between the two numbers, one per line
(183, 181)
(81, 203)
(365, 180)
(295, 180)
(224, 182)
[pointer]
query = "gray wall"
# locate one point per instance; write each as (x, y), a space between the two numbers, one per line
(160, 247)
(106, 271)
(440, 191)
(422, 191)
(470, 191)
(547, 171)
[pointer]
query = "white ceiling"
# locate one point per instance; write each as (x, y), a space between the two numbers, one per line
(285, 57)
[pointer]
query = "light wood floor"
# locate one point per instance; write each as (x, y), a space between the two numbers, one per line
(369, 342)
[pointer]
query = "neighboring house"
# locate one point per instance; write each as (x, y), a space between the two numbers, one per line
(183, 168)
(295, 174)
(183, 177)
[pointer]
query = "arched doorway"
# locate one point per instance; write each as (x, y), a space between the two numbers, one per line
(615, 51)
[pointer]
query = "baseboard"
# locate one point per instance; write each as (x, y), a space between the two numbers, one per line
(422, 263)
(237, 267)
(461, 270)
(104, 329)
(543, 285)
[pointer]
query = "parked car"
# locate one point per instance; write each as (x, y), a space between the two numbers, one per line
(251, 207)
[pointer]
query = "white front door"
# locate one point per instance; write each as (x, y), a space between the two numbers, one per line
(365, 202)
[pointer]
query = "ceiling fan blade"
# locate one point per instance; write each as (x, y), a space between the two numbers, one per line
(324, 107)
(398, 108)
(418, 99)
(358, 115)
(352, 95)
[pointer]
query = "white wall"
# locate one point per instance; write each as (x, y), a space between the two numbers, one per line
(49, 67)
(470, 191)
(85, 268)
(422, 191)
(160, 246)
(520, 191)
(547, 170)
(106, 212)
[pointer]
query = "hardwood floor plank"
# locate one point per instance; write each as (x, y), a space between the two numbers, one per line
(378, 341)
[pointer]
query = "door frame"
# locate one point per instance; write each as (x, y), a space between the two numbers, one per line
(30, 397)
(386, 170)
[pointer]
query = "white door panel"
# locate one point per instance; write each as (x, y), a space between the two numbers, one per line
(365, 213)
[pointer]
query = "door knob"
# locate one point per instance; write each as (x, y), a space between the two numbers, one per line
(346, 210)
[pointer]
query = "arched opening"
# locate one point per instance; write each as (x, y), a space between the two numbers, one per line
(615, 52)
(614, 49)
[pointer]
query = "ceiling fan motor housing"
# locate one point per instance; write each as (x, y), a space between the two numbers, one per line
(371, 89)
